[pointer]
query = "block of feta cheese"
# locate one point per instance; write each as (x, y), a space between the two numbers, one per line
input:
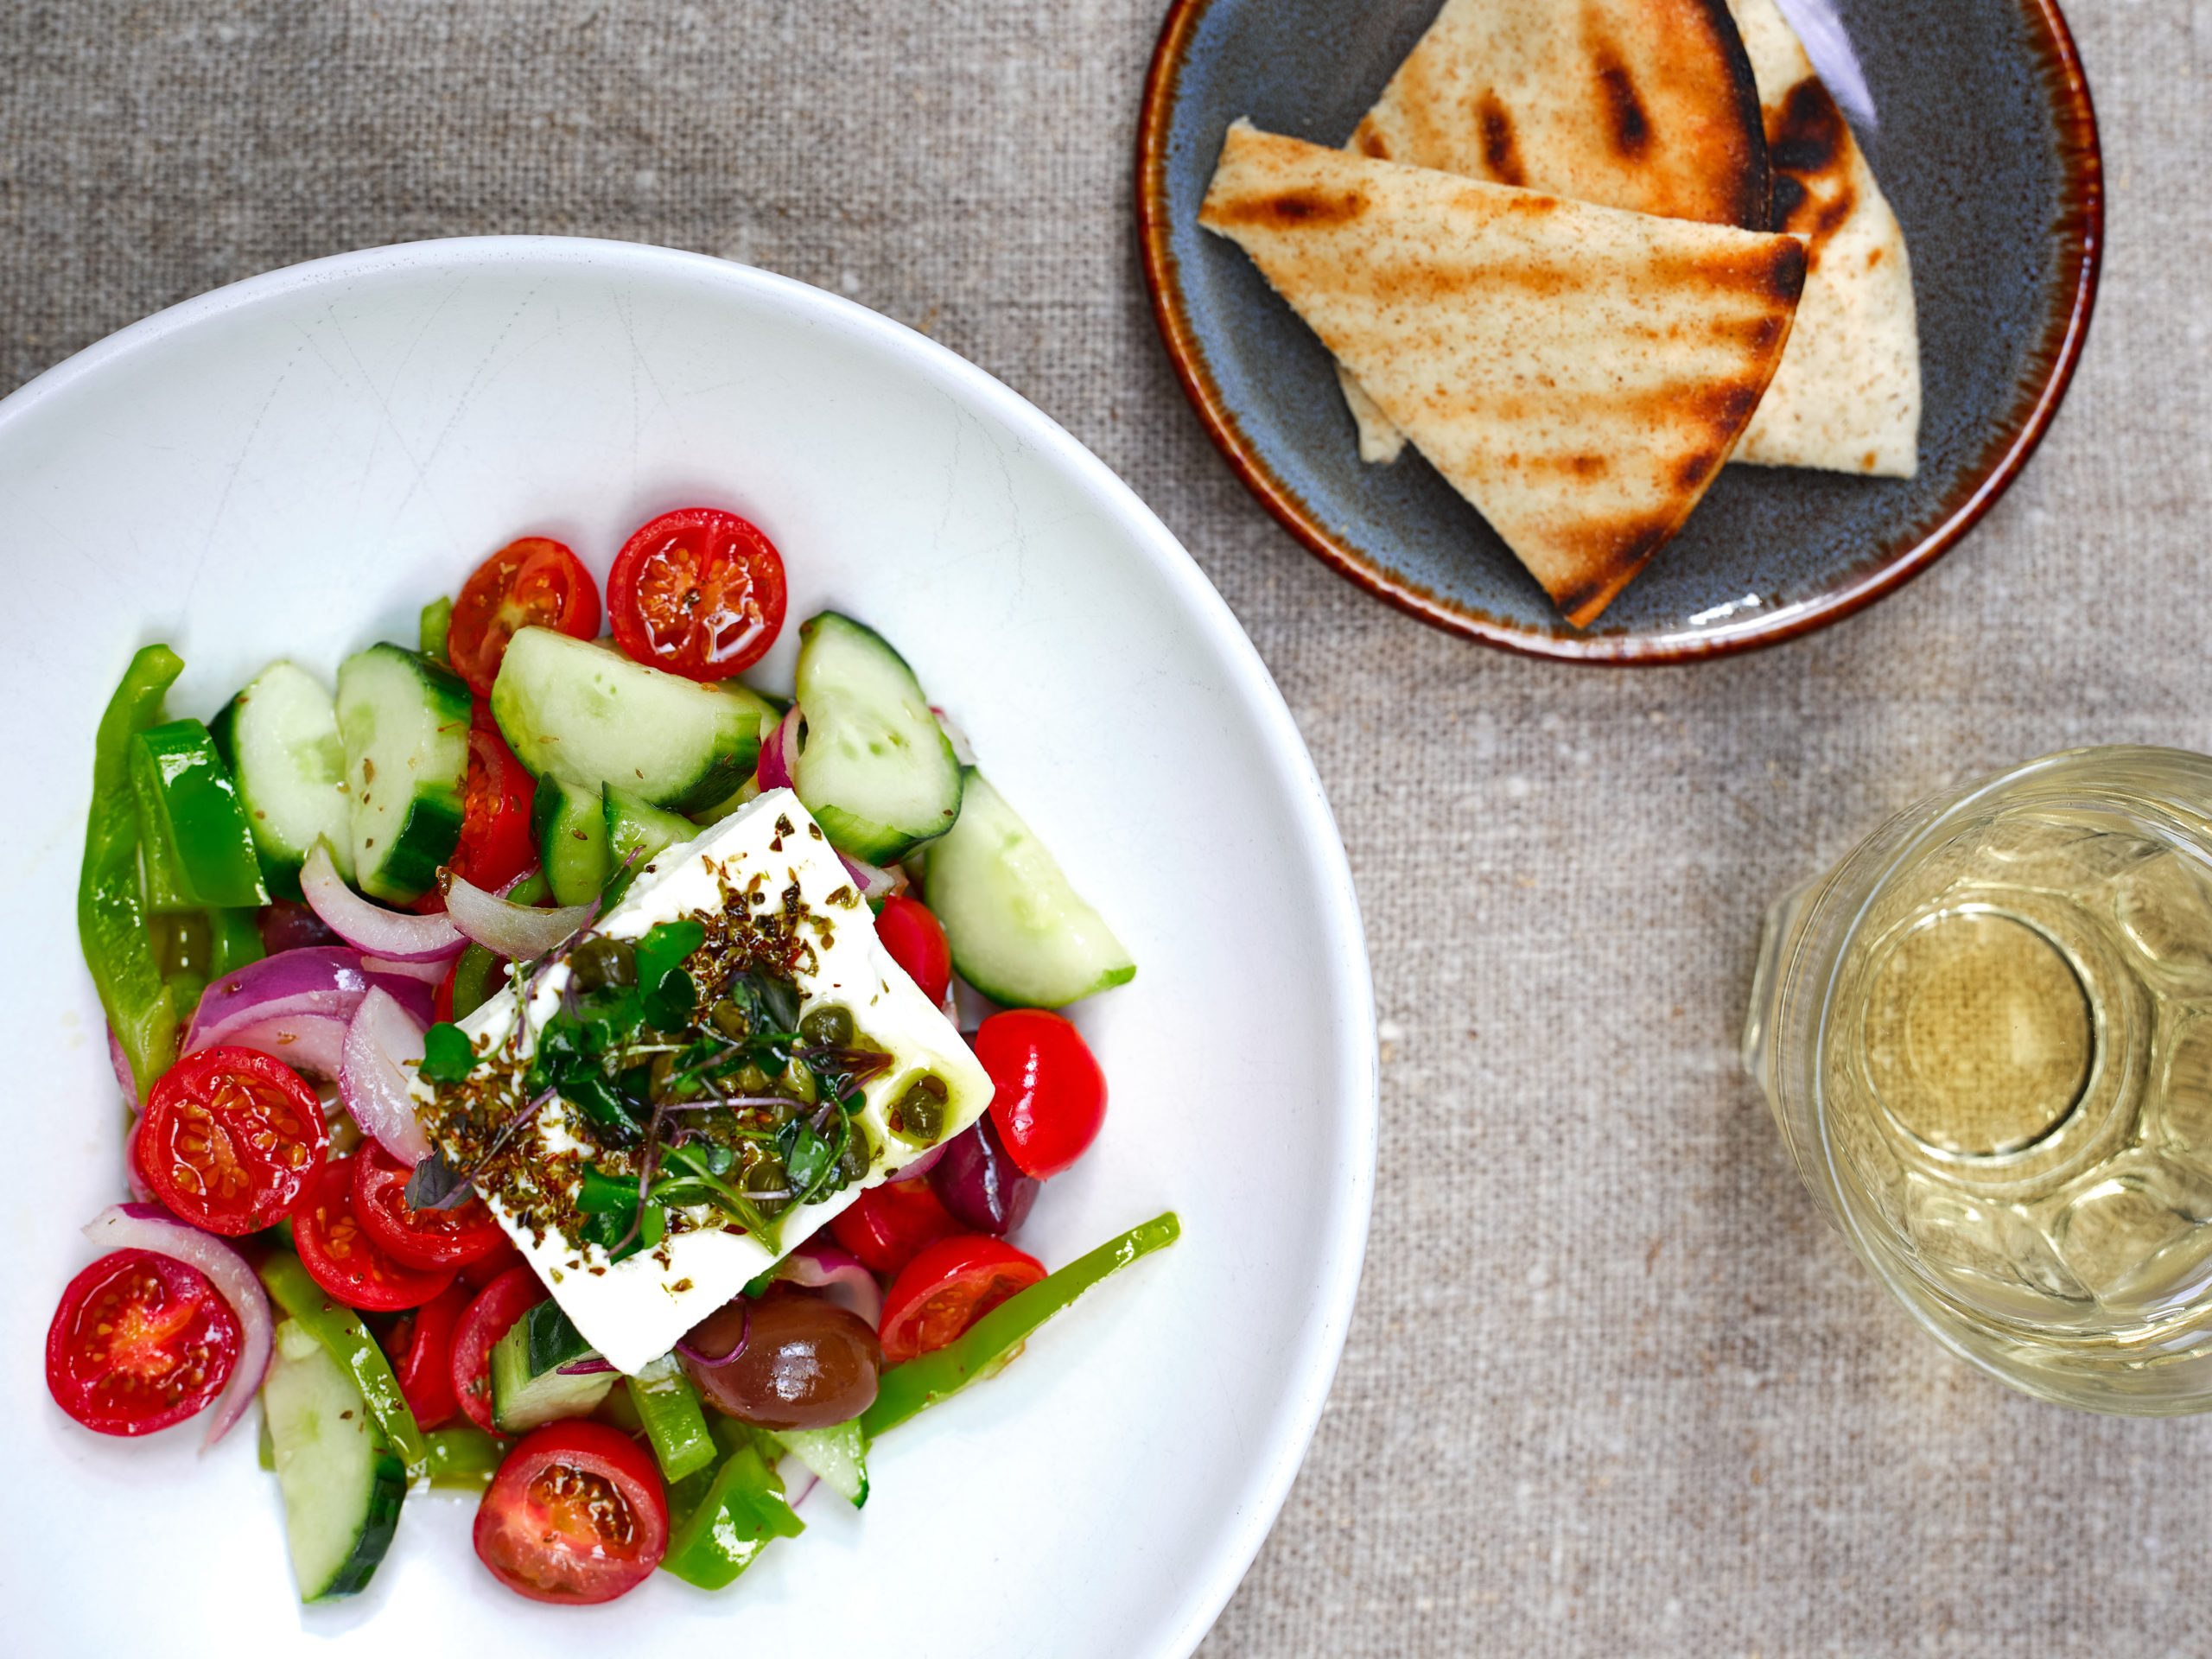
(634, 1310)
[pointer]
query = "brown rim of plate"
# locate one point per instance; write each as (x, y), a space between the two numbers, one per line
(2005, 454)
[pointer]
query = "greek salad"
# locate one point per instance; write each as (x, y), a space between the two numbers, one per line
(546, 1072)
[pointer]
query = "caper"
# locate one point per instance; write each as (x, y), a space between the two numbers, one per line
(731, 1020)
(599, 963)
(797, 1083)
(750, 1079)
(764, 1172)
(828, 1026)
(857, 1154)
(918, 1115)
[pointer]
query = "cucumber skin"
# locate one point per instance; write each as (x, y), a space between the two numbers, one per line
(280, 869)
(384, 1501)
(426, 838)
(514, 708)
(852, 832)
(569, 822)
(965, 878)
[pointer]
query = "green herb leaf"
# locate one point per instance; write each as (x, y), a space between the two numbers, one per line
(447, 1056)
(667, 946)
(808, 1158)
(672, 1000)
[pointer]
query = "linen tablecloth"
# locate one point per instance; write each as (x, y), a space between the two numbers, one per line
(1613, 1385)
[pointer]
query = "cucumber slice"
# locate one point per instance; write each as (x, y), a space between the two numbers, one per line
(1019, 933)
(582, 709)
(528, 1385)
(875, 768)
(569, 822)
(280, 736)
(404, 722)
(640, 833)
(342, 1482)
(838, 1455)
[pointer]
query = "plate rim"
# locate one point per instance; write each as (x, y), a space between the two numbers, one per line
(1321, 1331)
(2065, 334)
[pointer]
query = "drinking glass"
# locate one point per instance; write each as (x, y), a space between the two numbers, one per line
(1986, 1037)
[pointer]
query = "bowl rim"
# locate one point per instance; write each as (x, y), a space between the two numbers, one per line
(2065, 333)
(1310, 1360)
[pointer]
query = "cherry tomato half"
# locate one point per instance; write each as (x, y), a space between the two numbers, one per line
(418, 1238)
(533, 583)
(231, 1139)
(487, 1318)
(910, 932)
(947, 1288)
(496, 845)
(575, 1514)
(503, 1261)
(420, 1347)
(1049, 1095)
(344, 1258)
(140, 1341)
(698, 592)
(888, 1226)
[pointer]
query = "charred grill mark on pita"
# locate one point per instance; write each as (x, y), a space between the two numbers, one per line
(1627, 125)
(1500, 154)
(1808, 141)
(1616, 549)
(1367, 139)
(1807, 134)
(1286, 209)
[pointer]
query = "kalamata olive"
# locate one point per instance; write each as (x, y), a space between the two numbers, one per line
(983, 1187)
(805, 1362)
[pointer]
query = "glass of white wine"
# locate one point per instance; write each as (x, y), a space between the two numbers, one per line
(1986, 1037)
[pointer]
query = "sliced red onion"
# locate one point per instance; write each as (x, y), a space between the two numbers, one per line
(517, 931)
(780, 752)
(318, 979)
(313, 1044)
(980, 1184)
(875, 885)
(798, 1480)
(590, 1365)
(288, 924)
(121, 1062)
(382, 1038)
(918, 1168)
(429, 973)
(372, 927)
(820, 1265)
(150, 1227)
(133, 1176)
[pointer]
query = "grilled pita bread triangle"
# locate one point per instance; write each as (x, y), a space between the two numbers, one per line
(1645, 105)
(1846, 398)
(1577, 373)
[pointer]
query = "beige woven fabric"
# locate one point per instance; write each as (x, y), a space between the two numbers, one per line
(1612, 1386)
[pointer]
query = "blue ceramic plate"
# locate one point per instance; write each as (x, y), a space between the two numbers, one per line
(1987, 150)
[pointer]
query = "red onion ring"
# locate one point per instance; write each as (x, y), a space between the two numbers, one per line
(798, 1480)
(875, 885)
(328, 979)
(150, 1227)
(134, 1176)
(516, 932)
(382, 1037)
(920, 1167)
(428, 973)
(820, 1265)
(121, 1062)
(590, 1365)
(780, 752)
(313, 1044)
(370, 927)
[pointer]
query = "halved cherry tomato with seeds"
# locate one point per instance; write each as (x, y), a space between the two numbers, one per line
(947, 1288)
(418, 1238)
(342, 1257)
(420, 1347)
(231, 1139)
(533, 583)
(141, 1341)
(503, 1261)
(487, 1318)
(698, 592)
(911, 932)
(575, 1516)
(888, 1226)
(496, 845)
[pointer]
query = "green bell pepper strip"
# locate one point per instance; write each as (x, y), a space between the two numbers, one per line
(741, 1514)
(234, 939)
(668, 1407)
(340, 1330)
(111, 901)
(464, 1456)
(431, 629)
(198, 845)
(993, 1340)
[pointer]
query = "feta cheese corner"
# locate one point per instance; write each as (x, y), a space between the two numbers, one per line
(633, 1311)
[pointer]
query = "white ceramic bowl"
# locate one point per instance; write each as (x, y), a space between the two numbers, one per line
(291, 466)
